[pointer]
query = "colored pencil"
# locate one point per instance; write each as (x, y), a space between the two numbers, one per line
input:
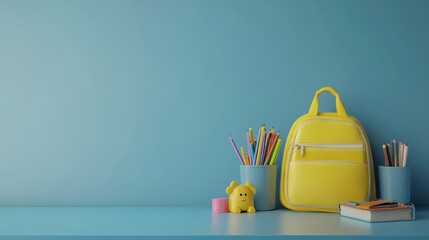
(261, 158)
(251, 138)
(235, 149)
(255, 154)
(276, 151)
(259, 145)
(249, 147)
(243, 156)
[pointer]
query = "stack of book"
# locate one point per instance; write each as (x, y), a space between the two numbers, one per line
(378, 211)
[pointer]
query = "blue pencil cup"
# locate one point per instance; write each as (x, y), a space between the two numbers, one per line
(263, 178)
(395, 183)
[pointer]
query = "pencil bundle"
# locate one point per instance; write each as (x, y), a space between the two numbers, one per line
(260, 151)
(395, 154)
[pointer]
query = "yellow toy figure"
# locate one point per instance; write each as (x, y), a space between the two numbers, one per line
(241, 197)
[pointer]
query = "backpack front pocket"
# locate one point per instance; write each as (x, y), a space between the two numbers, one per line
(323, 175)
(326, 183)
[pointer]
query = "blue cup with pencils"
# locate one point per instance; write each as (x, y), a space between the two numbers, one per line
(259, 166)
(395, 175)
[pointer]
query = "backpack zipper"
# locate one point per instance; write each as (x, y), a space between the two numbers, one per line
(329, 146)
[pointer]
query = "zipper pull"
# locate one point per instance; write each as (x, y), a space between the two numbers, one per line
(297, 147)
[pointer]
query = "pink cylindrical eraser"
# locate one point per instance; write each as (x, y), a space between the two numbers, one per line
(220, 205)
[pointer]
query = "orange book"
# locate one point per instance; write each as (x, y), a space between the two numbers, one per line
(378, 211)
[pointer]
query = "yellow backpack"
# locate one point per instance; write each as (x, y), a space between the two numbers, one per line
(327, 160)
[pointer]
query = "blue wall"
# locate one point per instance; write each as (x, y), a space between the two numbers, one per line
(132, 102)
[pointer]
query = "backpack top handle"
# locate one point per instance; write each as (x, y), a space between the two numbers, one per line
(314, 108)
